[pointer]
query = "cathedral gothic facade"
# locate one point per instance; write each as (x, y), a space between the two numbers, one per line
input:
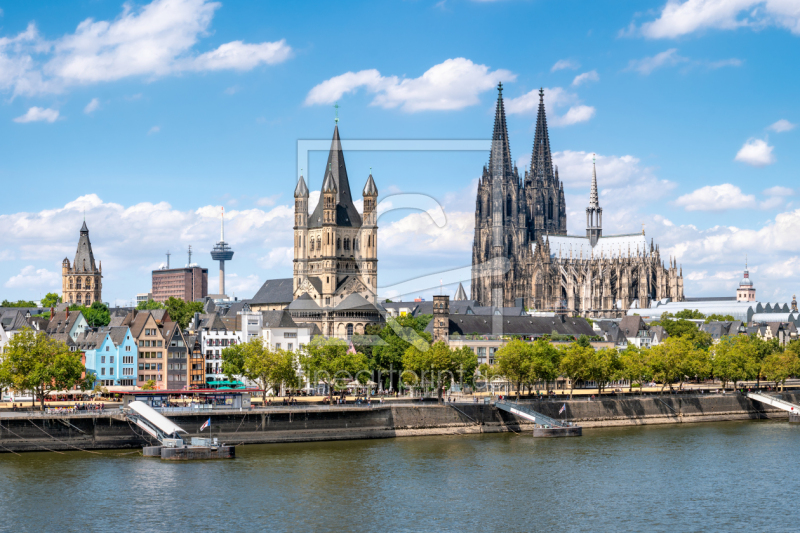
(521, 251)
(81, 282)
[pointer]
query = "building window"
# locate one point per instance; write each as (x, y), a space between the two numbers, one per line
(290, 347)
(102, 371)
(127, 348)
(278, 345)
(111, 359)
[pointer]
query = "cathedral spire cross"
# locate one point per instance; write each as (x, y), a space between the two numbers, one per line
(336, 107)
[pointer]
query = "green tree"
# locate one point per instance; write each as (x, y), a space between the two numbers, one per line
(149, 385)
(19, 303)
(149, 305)
(779, 366)
(603, 365)
(634, 366)
(96, 315)
(697, 364)
(668, 360)
(268, 368)
(688, 313)
(233, 360)
(51, 299)
(182, 312)
(329, 361)
(545, 360)
(32, 361)
(514, 361)
(397, 335)
(575, 363)
(439, 365)
(584, 341)
(719, 318)
(734, 360)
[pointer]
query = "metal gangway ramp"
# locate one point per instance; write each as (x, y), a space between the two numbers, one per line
(775, 402)
(530, 414)
(153, 422)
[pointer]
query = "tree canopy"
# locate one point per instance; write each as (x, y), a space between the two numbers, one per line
(18, 303)
(149, 305)
(182, 312)
(440, 365)
(33, 361)
(330, 361)
(51, 299)
(96, 315)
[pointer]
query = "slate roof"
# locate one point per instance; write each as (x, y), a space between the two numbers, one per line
(312, 327)
(506, 311)
(304, 302)
(61, 323)
(84, 258)
(231, 323)
(346, 212)
(274, 291)
(719, 329)
(118, 334)
(301, 191)
(355, 301)
(517, 325)
(632, 325)
(277, 319)
(117, 321)
(13, 320)
(65, 338)
(461, 294)
(370, 189)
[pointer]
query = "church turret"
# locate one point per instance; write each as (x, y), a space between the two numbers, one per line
(368, 238)
(300, 232)
(81, 282)
(594, 213)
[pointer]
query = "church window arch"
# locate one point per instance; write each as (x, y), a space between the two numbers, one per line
(88, 283)
(509, 205)
(346, 243)
(319, 243)
(550, 208)
(78, 283)
(338, 243)
(88, 300)
(312, 245)
(70, 283)
(510, 243)
(78, 299)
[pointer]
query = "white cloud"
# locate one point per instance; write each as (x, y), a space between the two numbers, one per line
(716, 198)
(562, 64)
(235, 285)
(782, 125)
(778, 190)
(267, 201)
(280, 256)
(32, 278)
(240, 56)
(151, 41)
(454, 84)
(647, 65)
(129, 239)
(592, 75)
(683, 18)
(574, 115)
(554, 98)
(756, 152)
(92, 106)
(38, 114)
(154, 129)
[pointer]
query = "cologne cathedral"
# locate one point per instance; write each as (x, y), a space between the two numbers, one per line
(522, 255)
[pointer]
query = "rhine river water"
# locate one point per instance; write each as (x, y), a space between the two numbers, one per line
(694, 477)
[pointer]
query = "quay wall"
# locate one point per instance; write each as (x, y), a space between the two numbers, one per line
(35, 432)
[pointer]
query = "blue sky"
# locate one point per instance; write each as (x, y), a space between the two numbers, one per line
(152, 116)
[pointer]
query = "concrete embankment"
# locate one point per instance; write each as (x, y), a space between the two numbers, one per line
(310, 423)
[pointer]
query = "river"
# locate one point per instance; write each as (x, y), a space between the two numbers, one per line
(692, 477)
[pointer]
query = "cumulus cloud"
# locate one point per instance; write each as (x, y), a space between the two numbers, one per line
(554, 98)
(453, 84)
(782, 125)
(562, 64)
(32, 278)
(151, 41)
(756, 152)
(38, 114)
(92, 106)
(586, 77)
(129, 240)
(154, 129)
(682, 18)
(716, 198)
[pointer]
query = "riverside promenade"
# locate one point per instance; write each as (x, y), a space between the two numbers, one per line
(91, 430)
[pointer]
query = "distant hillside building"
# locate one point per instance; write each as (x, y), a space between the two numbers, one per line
(189, 283)
(81, 282)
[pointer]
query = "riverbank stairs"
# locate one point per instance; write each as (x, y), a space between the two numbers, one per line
(529, 414)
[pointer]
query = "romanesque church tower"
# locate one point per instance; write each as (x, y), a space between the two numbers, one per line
(81, 282)
(335, 249)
